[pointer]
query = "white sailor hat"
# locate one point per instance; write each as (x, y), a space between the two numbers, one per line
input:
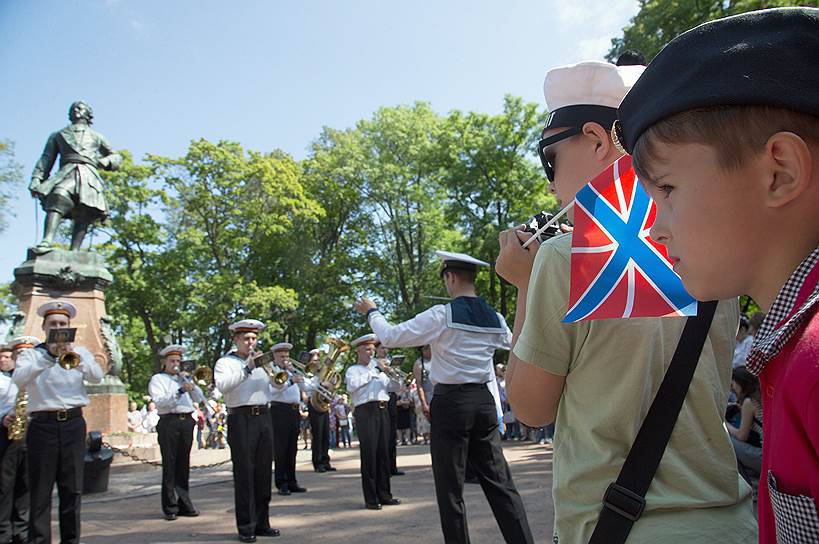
(366, 339)
(246, 325)
(173, 349)
(282, 346)
(587, 91)
(61, 307)
(314, 351)
(24, 342)
(460, 261)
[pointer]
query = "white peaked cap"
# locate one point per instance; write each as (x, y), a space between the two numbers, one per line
(247, 325)
(282, 346)
(576, 93)
(62, 307)
(173, 349)
(366, 339)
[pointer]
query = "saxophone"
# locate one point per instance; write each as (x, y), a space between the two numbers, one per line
(17, 430)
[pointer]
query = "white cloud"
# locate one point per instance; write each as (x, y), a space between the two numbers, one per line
(597, 21)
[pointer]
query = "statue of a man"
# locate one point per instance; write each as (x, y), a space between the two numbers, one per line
(75, 191)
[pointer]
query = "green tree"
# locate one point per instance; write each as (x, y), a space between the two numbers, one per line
(493, 181)
(11, 174)
(659, 21)
(404, 194)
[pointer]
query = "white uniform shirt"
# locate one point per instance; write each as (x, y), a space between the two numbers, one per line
(49, 386)
(366, 384)
(290, 394)
(240, 387)
(458, 355)
(8, 395)
(164, 391)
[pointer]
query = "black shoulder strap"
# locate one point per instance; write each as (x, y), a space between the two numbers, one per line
(624, 500)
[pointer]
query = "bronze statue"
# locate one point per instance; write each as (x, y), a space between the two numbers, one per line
(76, 190)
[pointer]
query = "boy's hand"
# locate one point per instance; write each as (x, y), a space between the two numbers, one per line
(514, 263)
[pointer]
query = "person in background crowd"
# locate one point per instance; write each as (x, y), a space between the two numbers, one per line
(200, 425)
(744, 340)
(151, 418)
(747, 435)
(403, 406)
(342, 410)
(134, 418)
(424, 391)
(304, 427)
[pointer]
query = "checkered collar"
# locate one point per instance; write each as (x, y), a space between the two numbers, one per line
(790, 308)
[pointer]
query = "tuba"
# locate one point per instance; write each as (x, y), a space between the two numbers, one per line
(328, 374)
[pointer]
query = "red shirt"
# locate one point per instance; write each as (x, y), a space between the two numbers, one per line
(785, 356)
(790, 425)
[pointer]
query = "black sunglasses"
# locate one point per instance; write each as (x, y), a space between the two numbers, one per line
(547, 163)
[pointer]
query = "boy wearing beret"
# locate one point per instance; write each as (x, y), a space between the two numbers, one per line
(724, 130)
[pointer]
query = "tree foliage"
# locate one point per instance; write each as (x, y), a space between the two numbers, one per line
(11, 174)
(659, 21)
(220, 233)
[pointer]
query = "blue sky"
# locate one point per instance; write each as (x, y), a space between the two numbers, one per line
(159, 74)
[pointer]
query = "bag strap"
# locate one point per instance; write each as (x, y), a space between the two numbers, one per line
(624, 500)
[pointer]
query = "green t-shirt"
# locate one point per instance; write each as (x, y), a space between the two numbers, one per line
(613, 368)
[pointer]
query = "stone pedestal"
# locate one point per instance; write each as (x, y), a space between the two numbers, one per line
(79, 277)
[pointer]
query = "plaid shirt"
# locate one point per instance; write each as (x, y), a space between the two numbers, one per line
(785, 315)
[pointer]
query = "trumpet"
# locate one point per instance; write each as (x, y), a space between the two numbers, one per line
(201, 377)
(278, 377)
(69, 360)
(397, 374)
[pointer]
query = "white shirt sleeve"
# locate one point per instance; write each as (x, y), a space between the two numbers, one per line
(164, 391)
(507, 336)
(29, 365)
(356, 378)
(422, 329)
(91, 371)
(227, 376)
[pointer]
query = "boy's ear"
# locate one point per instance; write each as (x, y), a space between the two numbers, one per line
(789, 163)
(603, 145)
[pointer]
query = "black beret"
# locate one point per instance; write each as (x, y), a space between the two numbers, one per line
(760, 58)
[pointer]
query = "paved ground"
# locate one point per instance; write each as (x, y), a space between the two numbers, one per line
(330, 513)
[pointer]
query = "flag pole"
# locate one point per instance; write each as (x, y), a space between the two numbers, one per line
(549, 223)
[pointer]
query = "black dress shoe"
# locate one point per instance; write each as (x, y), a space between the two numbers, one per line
(170, 517)
(374, 506)
(397, 473)
(297, 489)
(320, 469)
(330, 469)
(284, 490)
(391, 502)
(190, 513)
(268, 532)
(247, 538)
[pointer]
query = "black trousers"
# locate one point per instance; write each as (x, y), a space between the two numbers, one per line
(14, 497)
(175, 436)
(393, 410)
(465, 427)
(56, 450)
(251, 450)
(320, 431)
(286, 425)
(373, 423)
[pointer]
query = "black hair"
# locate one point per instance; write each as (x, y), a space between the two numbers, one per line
(631, 57)
(747, 382)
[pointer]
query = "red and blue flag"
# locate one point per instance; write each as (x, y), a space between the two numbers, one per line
(617, 270)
